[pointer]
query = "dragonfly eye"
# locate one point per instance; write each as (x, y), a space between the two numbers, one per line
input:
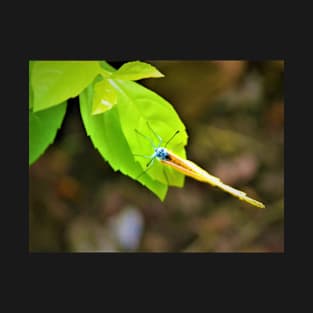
(161, 153)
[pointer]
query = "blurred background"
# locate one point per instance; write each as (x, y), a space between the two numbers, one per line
(234, 115)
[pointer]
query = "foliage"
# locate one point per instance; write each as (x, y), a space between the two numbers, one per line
(112, 108)
(43, 127)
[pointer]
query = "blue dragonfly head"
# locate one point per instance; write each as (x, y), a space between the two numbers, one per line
(161, 153)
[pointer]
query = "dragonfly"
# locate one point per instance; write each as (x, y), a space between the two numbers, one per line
(189, 168)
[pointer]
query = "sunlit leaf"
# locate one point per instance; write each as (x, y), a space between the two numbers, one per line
(53, 82)
(104, 97)
(139, 108)
(136, 70)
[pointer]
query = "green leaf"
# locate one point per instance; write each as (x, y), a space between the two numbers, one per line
(107, 136)
(136, 70)
(138, 106)
(43, 127)
(55, 81)
(104, 97)
(141, 109)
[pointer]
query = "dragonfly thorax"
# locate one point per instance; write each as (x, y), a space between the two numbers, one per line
(161, 153)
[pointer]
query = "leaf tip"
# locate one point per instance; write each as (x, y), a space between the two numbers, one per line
(157, 74)
(102, 107)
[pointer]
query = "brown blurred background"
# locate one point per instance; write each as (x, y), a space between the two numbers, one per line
(234, 115)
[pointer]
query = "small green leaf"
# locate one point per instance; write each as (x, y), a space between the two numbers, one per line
(136, 70)
(104, 97)
(43, 127)
(107, 136)
(53, 82)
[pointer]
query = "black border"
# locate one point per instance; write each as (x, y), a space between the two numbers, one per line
(195, 35)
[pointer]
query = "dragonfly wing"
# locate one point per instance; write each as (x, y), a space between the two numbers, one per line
(193, 170)
(183, 170)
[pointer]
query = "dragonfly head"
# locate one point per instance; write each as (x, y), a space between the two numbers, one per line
(161, 153)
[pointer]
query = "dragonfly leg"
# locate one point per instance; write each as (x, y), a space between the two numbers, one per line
(149, 165)
(147, 138)
(155, 134)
